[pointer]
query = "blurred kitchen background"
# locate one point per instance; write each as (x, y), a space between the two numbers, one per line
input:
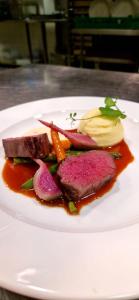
(102, 34)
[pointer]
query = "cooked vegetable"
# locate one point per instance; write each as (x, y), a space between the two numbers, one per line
(73, 152)
(53, 168)
(66, 144)
(116, 155)
(78, 140)
(21, 160)
(72, 207)
(28, 185)
(58, 147)
(50, 158)
(44, 185)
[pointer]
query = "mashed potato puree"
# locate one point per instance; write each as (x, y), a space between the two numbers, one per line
(105, 131)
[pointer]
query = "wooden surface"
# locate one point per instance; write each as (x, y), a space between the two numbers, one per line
(32, 83)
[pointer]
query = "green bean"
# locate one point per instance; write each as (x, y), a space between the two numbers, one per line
(73, 152)
(21, 160)
(116, 155)
(50, 158)
(27, 185)
(53, 168)
(72, 207)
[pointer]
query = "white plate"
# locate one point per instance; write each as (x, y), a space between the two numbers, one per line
(47, 254)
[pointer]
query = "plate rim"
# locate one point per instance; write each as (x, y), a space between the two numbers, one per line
(26, 290)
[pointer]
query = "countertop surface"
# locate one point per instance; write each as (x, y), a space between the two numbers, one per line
(44, 81)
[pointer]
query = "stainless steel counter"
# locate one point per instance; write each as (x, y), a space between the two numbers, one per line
(44, 81)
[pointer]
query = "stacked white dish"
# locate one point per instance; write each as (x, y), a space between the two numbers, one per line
(117, 8)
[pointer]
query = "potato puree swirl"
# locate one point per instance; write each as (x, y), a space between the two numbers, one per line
(105, 131)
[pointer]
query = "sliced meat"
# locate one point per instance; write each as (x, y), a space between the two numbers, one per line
(35, 146)
(86, 173)
(78, 140)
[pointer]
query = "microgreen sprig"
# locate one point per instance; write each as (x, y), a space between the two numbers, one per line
(110, 110)
(72, 117)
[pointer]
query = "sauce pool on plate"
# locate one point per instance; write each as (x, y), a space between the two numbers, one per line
(15, 175)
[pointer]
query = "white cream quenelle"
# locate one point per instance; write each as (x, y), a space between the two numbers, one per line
(105, 131)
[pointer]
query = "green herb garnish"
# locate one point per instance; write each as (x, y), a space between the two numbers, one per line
(72, 117)
(110, 110)
(109, 102)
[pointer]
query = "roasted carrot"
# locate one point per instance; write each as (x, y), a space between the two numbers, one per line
(66, 144)
(58, 147)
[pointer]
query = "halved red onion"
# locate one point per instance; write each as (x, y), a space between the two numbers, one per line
(44, 184)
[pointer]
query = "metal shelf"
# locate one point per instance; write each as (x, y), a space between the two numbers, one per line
(118, 32)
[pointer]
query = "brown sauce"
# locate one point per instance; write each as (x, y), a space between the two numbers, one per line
(15, 175)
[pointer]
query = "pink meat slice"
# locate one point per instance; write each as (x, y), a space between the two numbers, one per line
(78, 140)
(86, 173)
(34, 146)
